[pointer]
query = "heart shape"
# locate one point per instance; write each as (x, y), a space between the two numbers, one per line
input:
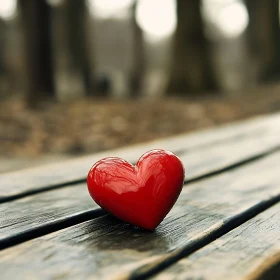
(141, 195)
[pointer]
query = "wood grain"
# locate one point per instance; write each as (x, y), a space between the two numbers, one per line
(36, 215)
(31, 216)
(227, 145)
(248, 252)
(107, 248)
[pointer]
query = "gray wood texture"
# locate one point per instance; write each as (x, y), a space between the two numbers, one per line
(22, 218)
(30, 216)
(248, 252)
(106, 248)
(219, 148)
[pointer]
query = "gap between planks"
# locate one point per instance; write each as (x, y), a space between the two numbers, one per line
(249, 252)
(201, 240)
(50, 227)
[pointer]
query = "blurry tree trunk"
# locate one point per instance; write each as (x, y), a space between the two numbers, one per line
(3, 67)
(138, 58)
(35, 21)
(264, 37)
(77, 41)
(191, 69)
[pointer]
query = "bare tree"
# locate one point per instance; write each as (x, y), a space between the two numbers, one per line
(35, 22)
(191, 69)
(77, 41)
(138, 58)
(264, 37)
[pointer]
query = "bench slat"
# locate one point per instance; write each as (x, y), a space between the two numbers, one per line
(33, 212)
(17, 184)
(105, 247)
(237, 255)
(39, 210)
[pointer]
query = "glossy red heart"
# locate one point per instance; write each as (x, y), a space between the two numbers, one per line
(141, 195)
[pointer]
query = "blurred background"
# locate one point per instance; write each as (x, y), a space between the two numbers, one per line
(81, 76)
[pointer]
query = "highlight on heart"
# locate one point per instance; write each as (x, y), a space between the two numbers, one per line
(141, 194)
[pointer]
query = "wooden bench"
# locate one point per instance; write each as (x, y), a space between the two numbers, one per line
(225, 224)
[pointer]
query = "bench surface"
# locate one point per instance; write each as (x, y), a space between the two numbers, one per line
(225, 224)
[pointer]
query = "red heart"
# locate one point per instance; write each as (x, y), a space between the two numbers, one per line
(141, 195)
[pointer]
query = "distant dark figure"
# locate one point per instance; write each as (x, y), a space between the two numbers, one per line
(103, 85)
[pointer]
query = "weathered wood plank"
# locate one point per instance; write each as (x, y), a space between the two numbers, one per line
(26, 217)
(263, 132)
(224, 156)
(34, 213)
(105, 247)
(237, 255)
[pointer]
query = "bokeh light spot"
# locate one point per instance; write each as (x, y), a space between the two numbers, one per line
(233, 19)
(8, 9)
(157, 17)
